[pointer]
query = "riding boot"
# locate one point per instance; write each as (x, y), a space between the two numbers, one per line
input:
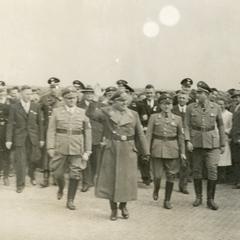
(211, 188)
(168, 192)
(198, 192)
(72, 189)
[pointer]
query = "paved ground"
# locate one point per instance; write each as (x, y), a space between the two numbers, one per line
(36, 214)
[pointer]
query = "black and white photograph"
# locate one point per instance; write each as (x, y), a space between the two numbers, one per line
(120, 119)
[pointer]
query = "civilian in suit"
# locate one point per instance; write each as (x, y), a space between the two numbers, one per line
(25, 134)
(69, 144)
(4, 152)
(166, 145)
(146, 108)
(235, 137)
(89, 172)
(180, 110)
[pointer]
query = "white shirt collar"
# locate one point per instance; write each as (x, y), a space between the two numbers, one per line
(182, 107)
(71, 110)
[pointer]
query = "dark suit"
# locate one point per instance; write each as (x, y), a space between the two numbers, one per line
(89, 172)
(235, 144)
(184, 171)
(25, 130)
(4, 153)
(145, 111)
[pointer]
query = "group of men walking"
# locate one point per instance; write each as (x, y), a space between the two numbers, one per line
(104, 141)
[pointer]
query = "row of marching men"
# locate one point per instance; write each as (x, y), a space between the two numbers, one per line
(66, 136)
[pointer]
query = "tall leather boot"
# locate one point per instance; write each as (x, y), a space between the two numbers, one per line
(113, 205)
(61, 183)
(168, 192)
(45, 179)
(72, 189)
(156, 182)
(211, 188)
(198, 192)
(123, 208)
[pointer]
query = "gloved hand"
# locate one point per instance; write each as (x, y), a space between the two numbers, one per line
(51, 152)
(8, 145)
(183, 160)
(146, 158)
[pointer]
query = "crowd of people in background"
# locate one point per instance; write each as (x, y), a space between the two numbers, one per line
(193, 134)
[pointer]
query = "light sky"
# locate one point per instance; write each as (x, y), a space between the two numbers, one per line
(101, 41)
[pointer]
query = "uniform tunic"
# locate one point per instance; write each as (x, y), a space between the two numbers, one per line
(205, 130)
(166, 142)
(117, 178)
(69, 134)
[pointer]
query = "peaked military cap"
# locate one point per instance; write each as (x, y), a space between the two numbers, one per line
(122, 82)
(128, 88)
(236, 93)
(119, 96)
(203, 87)
(87, 89)
(78, 83)
(70, 91)
(2, 83)
(53, 80)
(187, 82)
(165, 98)
(110, 89)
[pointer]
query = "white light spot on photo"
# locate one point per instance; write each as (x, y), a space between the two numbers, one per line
(169, 15)
(150, 29)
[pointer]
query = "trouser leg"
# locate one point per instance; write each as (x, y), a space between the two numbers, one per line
(20, 165)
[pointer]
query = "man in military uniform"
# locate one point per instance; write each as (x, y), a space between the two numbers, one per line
(48, 102)
(186, 86)
(79, 86)
(25, 134)
(117, 178)
(205, 137)
(166, 144)
(69, 143)
(4, 152)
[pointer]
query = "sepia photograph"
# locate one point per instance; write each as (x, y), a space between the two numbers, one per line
(119, 119)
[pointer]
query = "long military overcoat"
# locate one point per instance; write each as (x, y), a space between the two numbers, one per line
(117, 178)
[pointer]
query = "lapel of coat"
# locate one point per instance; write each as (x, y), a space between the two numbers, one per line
(21, 110)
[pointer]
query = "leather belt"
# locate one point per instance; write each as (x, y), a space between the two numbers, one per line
(119, 137)
(164, 137)
(203, 129)
(71, 132)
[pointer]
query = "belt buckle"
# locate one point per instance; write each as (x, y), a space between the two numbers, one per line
(123, 137)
